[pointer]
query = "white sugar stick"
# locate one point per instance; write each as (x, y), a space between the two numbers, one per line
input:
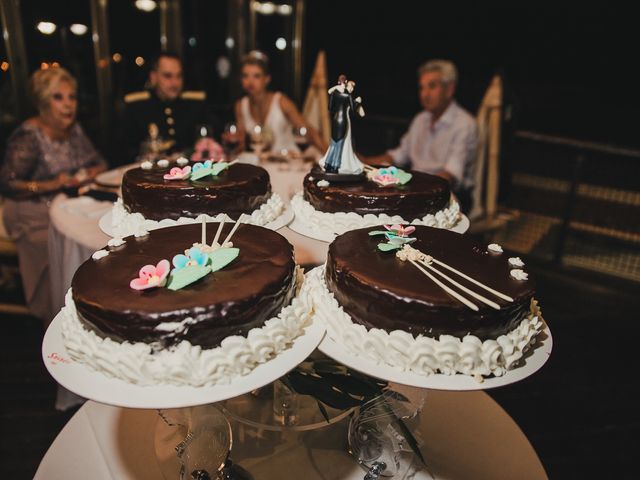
(233, 230)
(215, 239)
(475, 295)
(234, 161)
(482, 285)
(450, 291)
(204, 231)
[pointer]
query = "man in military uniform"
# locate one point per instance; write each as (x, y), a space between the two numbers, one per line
(174, 112)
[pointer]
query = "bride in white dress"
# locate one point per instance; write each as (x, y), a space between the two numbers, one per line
(271, 111)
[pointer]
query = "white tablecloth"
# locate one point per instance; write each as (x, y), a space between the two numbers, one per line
(466, 436)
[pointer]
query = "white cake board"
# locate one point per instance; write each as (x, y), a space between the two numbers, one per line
(298, 225)
(532, 361)
(279, 222)
(94, 385)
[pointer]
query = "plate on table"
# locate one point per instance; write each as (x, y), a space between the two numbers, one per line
(113, 178)
(533, 361)
(88, 383)
(279, 222)
(298, 225)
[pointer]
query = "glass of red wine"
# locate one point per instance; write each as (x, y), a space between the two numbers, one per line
(230, 138)
(301, 138)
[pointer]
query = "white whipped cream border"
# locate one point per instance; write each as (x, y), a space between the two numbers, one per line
(342, 222)
(186, 364)
(124, 223)
(424, 355)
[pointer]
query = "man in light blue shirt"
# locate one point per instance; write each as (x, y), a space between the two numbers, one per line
(442, 140)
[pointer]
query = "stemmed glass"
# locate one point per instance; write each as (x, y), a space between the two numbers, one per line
(260, 139)
(300, 137)
(230, 138)
(377, 434)
(201, 440)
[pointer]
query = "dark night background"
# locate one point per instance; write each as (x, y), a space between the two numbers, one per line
(570, 69)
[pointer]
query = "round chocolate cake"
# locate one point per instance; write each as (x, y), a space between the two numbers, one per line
(251, 289)
(239, 189)
(425, 194)
(378, 290)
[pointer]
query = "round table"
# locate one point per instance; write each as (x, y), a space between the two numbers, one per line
(466, 435)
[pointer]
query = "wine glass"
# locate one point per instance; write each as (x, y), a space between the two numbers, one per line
(230, 137)
(301, 138)
(200, 438)
(203, 130)
(377, 433)
(259, 140)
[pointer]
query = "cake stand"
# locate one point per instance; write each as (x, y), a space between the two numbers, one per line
(532, 361)
(94, 385)
(279, 222)
(298, 225)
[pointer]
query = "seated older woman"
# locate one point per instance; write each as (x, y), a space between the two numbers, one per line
(44, 154)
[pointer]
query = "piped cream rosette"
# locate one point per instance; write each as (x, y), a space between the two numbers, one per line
(187, 364)
(422, 355)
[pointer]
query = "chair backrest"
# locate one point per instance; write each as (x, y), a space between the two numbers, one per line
(316, 104)
(487, 167)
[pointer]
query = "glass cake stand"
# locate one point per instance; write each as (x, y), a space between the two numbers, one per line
(276, 408)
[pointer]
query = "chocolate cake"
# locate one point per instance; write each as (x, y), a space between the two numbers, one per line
(244, 294)
(380, 299)
(239, 189)
(378, 290)
(425, 194)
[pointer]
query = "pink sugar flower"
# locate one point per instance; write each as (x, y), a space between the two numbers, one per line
(150, 276)
(400, 230)
(177, 173)
(386, 179)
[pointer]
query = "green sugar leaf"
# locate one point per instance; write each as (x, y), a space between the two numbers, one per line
(201, 173)
(377, 232)
(387, 247)
(222, 257)
(403, 176)
(180, 278)
(216, 168)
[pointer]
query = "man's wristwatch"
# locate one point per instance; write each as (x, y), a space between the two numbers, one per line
(32, 187)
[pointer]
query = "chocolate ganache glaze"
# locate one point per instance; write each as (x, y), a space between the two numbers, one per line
(379, 290)
(424, 194)
(239, 189)
(231, 301)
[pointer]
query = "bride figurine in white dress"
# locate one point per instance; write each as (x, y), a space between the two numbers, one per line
(340, 157)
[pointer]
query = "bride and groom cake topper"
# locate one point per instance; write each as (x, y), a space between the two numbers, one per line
(340, 162)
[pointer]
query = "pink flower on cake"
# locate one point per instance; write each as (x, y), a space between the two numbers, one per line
(177, 173)
(386, 179)
(150, 276)
(400, 230)
(207, 148)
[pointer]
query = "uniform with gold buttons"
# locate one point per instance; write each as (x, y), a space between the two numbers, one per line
(176, 120)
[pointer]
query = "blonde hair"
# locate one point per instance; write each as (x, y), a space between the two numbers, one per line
(43, 83)
(257, 58)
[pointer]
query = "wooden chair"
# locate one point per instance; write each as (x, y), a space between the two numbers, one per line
(486, 216)
(316, 104)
